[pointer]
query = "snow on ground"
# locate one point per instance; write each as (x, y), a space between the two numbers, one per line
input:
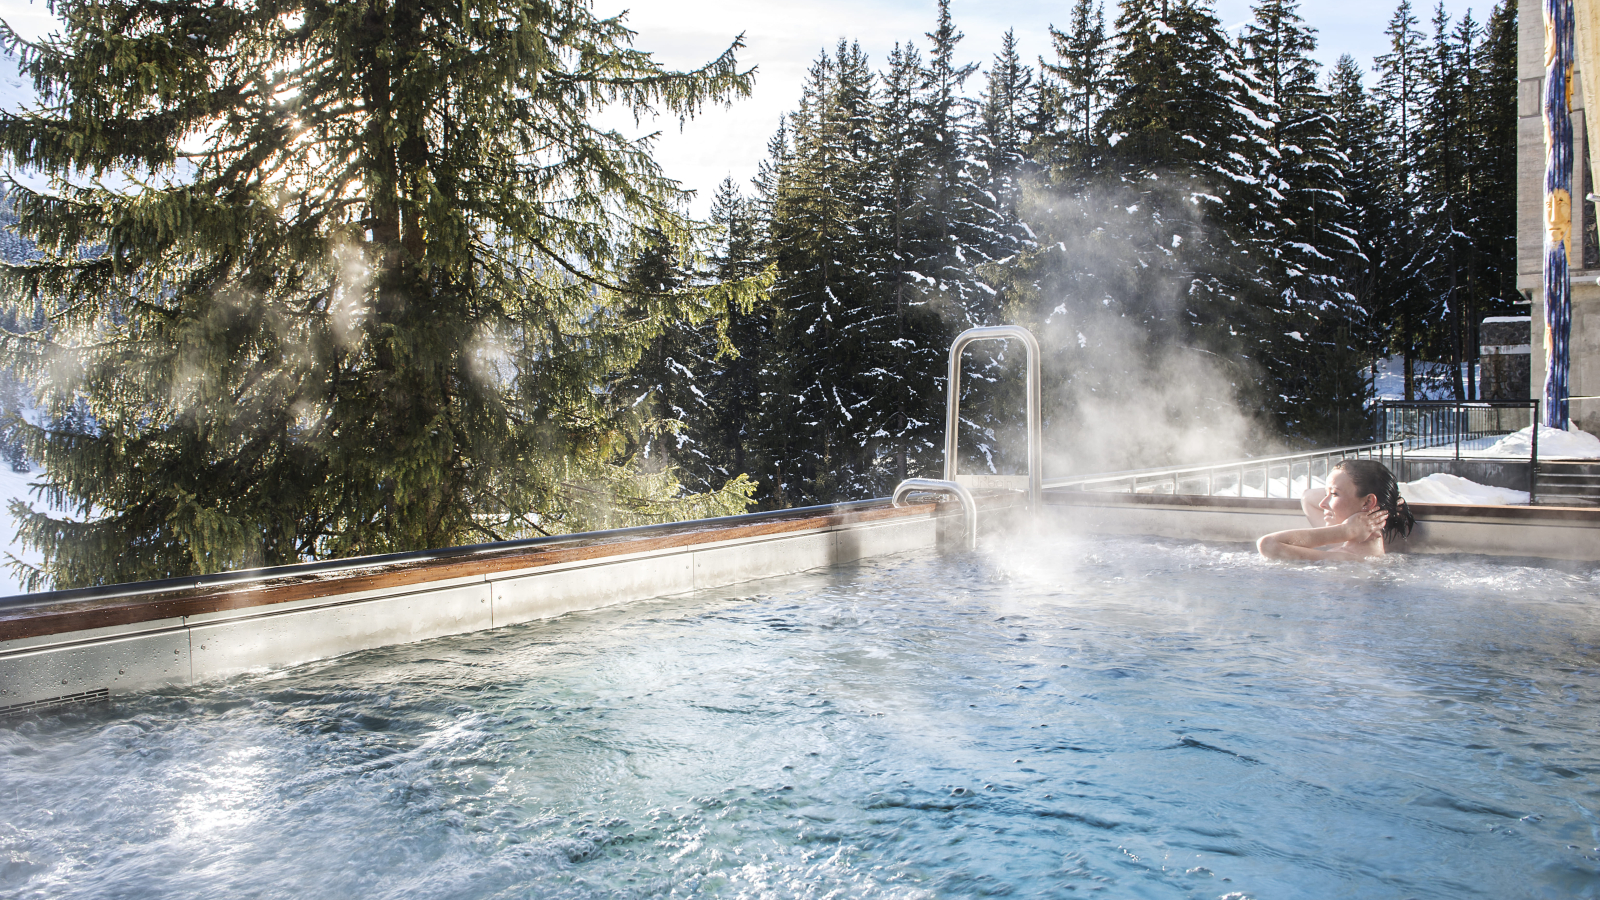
(14, 486)
(1553, 444)
(1442, 488)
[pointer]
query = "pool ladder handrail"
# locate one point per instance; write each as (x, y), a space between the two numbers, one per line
(969, 507)
(952, 423)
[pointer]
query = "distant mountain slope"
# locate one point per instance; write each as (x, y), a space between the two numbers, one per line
(15, 90)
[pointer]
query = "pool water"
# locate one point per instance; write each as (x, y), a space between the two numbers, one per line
(1121, 717)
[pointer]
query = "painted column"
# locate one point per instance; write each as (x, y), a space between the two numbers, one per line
(1558, 55)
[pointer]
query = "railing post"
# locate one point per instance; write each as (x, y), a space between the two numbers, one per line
(1459, 410)
(1533, 456)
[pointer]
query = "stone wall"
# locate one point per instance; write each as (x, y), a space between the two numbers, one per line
(1503, 357)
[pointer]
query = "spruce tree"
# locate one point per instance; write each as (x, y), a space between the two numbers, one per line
(1401, 96)
(732, 393)
(694, 389)
(1443, 184)
(823, 281)
(333, 278)
(963, 227)
(911, 334)
(1365, 184)
(1002, 137)
(1084, 52)
(1494, 115)
(1180, 139)
(1310, 242)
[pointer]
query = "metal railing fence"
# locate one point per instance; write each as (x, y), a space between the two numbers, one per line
(1260, 477)
(1459, 425)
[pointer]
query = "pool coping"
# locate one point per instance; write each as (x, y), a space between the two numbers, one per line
(31, 615)
(1551, 532)
(97, 643)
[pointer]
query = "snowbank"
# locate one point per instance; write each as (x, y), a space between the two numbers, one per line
(1553, 444)
(1442, 488)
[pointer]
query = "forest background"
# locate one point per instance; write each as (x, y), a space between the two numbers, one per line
(1213, 239)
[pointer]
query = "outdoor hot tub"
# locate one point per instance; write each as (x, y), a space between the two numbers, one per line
(1111, 694)
(1049, 716)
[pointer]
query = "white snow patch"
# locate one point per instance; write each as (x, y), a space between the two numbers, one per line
(1553, 444)
(1453, 489)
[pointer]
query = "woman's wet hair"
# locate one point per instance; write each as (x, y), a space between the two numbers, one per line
(1373, 477)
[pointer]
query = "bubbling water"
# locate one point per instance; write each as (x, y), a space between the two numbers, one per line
(1137, 718)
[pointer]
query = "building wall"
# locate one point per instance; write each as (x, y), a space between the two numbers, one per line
(1585, 363)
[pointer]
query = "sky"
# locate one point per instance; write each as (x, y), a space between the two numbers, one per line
(783, 38)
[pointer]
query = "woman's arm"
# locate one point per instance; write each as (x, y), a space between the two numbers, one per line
(1302, 543)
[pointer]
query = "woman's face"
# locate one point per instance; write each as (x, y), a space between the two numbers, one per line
(1343, 501)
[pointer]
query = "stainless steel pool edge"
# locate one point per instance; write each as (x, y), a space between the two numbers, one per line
(128, 657)
(1566, 533)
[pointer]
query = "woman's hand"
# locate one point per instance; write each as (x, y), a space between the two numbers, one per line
(1353, 537)
(1365, 525)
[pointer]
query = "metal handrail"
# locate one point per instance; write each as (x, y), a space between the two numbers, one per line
(1174, 476)
(969, 507)
(1437, 423)
(952, 428)
(1035, 404)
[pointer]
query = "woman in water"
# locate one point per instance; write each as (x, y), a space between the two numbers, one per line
(1361, 511)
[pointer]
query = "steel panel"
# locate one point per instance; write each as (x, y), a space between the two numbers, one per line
(763, 559)
(544, 595)
(285, 638)
(120, 665)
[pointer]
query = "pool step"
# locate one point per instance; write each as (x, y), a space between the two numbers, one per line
(1568, 484)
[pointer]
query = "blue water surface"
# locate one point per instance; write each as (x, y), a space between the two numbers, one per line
(1121, 717)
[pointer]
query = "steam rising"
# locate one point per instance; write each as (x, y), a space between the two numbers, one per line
(1129, 378)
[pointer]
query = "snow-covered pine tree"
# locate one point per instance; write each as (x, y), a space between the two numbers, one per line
(954, 213)
(1149, 257)
(332, 278)
(994, 396)
(1184, 147)
(1442, 184)
(1310, 243)
(1464, 222)
(1365, 182)
(667, 473)
(962, 226)
(1002, 138)
(907, 372)
(811, 412)
(731, 387)
(1403, 300)
(1492, 221)
(1084, 75)
(693, 391)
